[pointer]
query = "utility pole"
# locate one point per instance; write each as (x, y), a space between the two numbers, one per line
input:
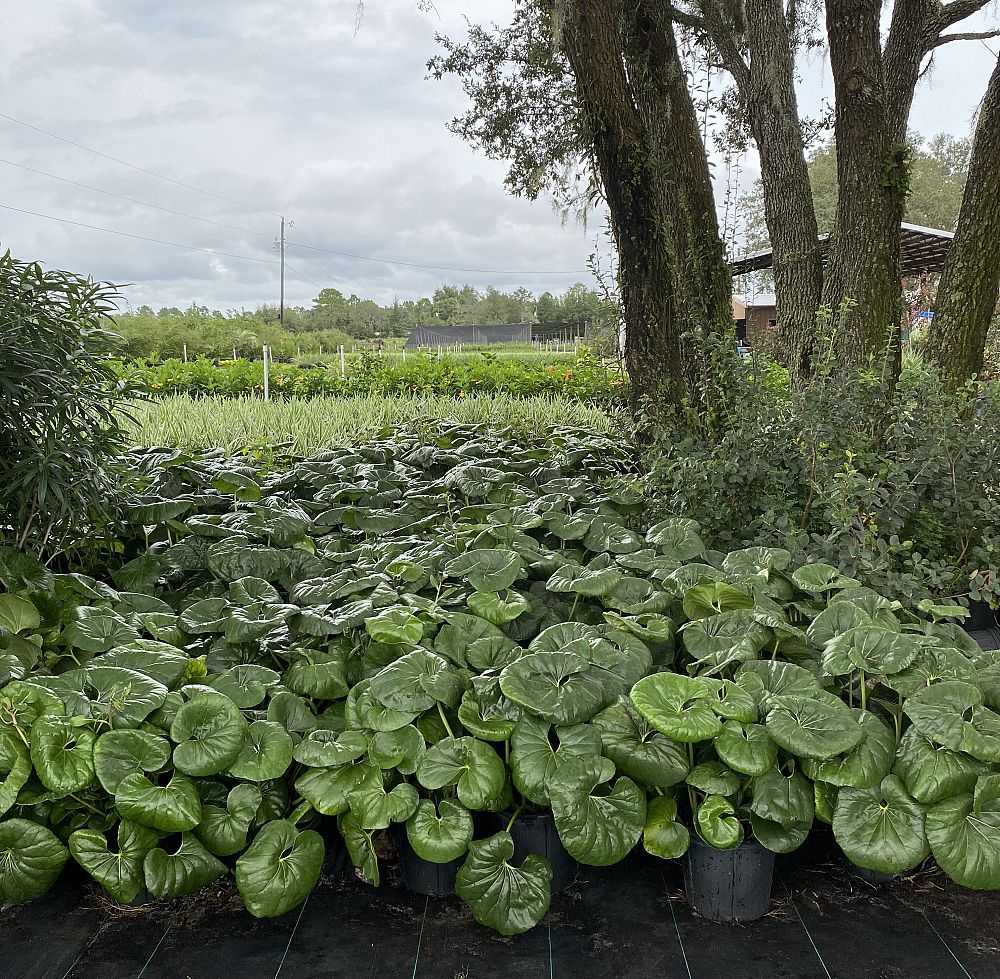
(281, 250)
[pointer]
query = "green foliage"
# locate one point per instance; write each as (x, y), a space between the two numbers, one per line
(891, 485)
(60, 423)
(640, 686)
(584, 378)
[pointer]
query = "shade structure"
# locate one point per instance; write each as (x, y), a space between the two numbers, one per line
(433, 336)
(921, 250)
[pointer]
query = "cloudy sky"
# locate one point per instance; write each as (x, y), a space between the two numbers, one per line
(285, 108)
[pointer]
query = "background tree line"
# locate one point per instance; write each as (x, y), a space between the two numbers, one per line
(335, 319)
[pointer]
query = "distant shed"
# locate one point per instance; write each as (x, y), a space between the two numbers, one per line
(434, 336)
(921, 250)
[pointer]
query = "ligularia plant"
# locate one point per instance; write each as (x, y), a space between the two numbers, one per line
(433, 638)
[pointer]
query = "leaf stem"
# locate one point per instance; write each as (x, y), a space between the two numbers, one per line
(444, 720)
(517, 812)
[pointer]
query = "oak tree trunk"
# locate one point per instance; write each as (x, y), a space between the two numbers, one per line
(967, 294)
(862, 283)
(772, 107)
(674, 282)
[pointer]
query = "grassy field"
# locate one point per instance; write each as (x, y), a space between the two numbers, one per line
(308, 426)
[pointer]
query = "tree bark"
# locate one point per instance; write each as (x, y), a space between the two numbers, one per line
(772, 106)
(862, 283)
(649, 155)
(967, 294)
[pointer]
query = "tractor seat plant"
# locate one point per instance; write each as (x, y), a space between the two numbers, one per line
(417, 635)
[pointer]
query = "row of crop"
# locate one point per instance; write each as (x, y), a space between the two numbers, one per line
(584, 378)
(405, 634)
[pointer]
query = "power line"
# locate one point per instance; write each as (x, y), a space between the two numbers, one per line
(135, 200)
(302, 275)
(126, 234)
(133, 166)
(436, 268)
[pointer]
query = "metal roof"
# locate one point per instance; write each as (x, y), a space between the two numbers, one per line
(922, 250)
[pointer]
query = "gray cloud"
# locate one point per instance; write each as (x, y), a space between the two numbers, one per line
(285, 107)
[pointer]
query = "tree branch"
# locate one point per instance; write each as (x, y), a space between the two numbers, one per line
(968, 36)
(952, 13)
(724, 37)
(688, 20)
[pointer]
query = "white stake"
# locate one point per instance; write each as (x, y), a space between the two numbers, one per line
(267, 372)
(343, 362)
(185, 353)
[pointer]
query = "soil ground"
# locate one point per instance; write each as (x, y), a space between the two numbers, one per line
(627, 922)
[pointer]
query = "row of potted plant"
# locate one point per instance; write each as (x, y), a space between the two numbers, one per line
(476, 647)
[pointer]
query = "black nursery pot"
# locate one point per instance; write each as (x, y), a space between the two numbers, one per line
(536, 833)
(423, 877)
(728, 885)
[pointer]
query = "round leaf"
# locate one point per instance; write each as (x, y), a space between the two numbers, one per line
(600, 828)
(504, 897)
(440, 835)
(279, 869)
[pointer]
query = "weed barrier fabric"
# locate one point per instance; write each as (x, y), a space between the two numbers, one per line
(628, 919)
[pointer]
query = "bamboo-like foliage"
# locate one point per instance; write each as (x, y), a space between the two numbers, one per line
(59, 405)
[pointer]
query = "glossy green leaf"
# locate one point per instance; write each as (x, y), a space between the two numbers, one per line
(881, 828)
(561, 687)
(170, 808)
(416, 682)
(486, 569)
(598, 825)
(279, 869)
(820, 578)
(183, 870)
(121, 753)
(321, 674)
(678, 706)
(18, 614)
(663, 834)
(440, 834)
(33, 858)
(223, 830)
(375, 807)
(471, 765)
(119, 872)
(714, 597)
(497, 608)
(328, 749)
(713, 778)
(395, 625)
(932, 772)
(677, 538)
(746, 748)
(209, 733)
(782, 798)
(718, 824)
(864, 765)
(63, 754)
(644, 754)
(266, 753)
(819, 726)
(502, 896)
(361, 848)
(538, 751)
(964, 835)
